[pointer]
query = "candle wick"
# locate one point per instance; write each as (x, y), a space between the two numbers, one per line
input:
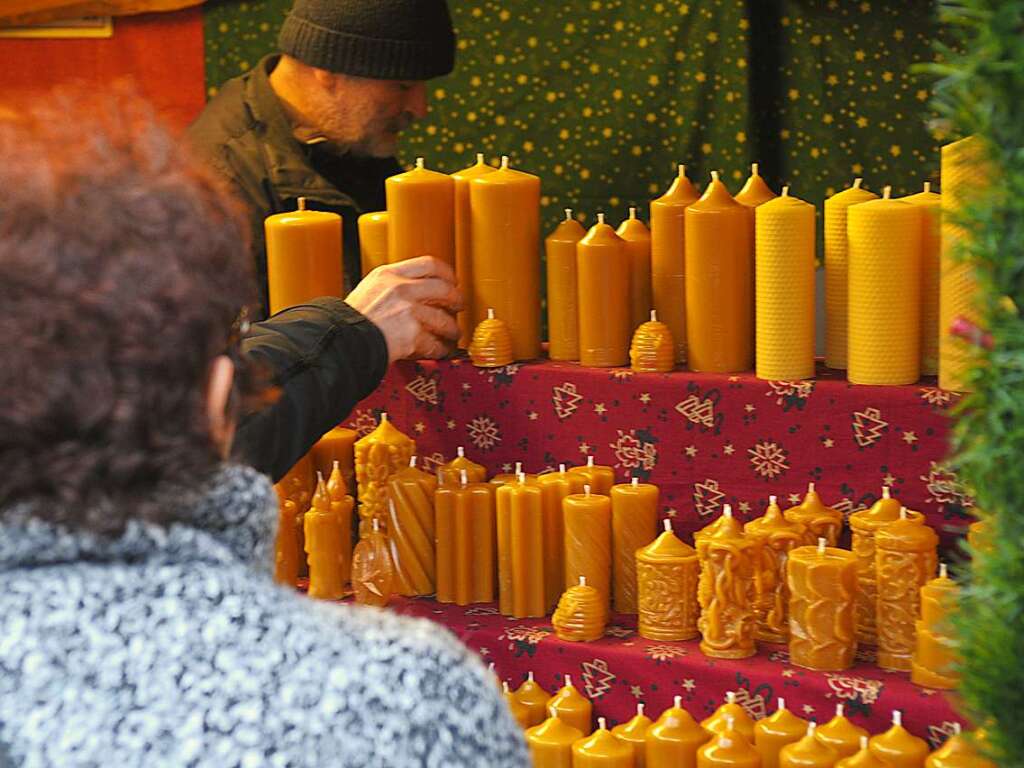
(773, 500)
(561, 469)
(504, 162)
(903, 513)
(336, 465)
(682, 171)
(667, 525)
(956, 729)
(504, 687)
(412, 462)
(600, 218)
(886, 191)
(714, 175)
(568, 214)
(654, 315)
(782, 703)
(810, 728)
(863, 742)
(785, 191)
(568, 681)
(601, 723)
(590, 461)
(942, 571)
(302, 203)
(461, 452)
(727, 511)
(635, 482)
(529, 676)
(857, 183)
(810, 487)
(679, 702)
(821, 545)
(897, 717)
(586, 490)
(730, 697)
(319, 477)
(583, 581)
(383, 417)
(753, 169)
(376, 524)
(632, 213)
(885, 492)
(490, 313)
(480, 158)
(927, 186)
(419, 162)
(839, 710)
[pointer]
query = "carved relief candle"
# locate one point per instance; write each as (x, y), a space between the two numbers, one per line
(822, 628)
(667, 572)
(777, 536)
(820, 521)
(379, 455)
(634, 521)
(581, 615)
(773, 733)
(728, 566)
(864, 525)
(673, 741)
(933, 665)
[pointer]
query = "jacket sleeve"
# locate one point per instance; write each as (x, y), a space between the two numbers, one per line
(326, 357)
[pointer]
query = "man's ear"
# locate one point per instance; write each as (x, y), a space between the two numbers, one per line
(218, 400)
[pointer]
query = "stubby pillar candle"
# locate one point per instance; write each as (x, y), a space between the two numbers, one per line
(563, 290)
(637, 239)
(667, 572)
(819, 520)
(380, 454)
(652, 349)
(933, 664)
(673, 741)
(451, 473)
(777, 536)
(728, 749)
(325, 539)
(304, 256)
(773, 733)
(897, 747)
(884, 278)
(841, 735)
(862, 758)
(581, 614)
(668, 257)
(505, 210)
(411, 529)
(931, 243)
(809, 752)
(286, 544)
(464, 243)
(373, 241)
(837, 269)
(905, 558)
(519, 711)
(555, 486)
(572, 707)
(599, 477)
(730, 711)
(633, 732)
(602, 750)
(588, 540)
(957, 752)
(534, 698)
(520, 528)
(784, 269)
(373, 576)
(719, 283)
(822, 625)
(550, 743)
(634, 525)
(602, 267)
(491, 345)
(864, 525)
(421, 215)
(728, 567)
(337, 447)
(465, 551)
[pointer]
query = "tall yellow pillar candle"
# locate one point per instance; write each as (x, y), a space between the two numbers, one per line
(505, 228)
(588, 540)
(602, 750)
(884, 345)
(930, 204)
(410, 530)
(465, 542)
(324, 552)
(809, 752)
(379, 455)
(728, 567)
(637, 239)
(421, 215)
(602, 267)
(563, 290)
(304, 256)
(822, 622)
(728, 749)
(837, 269)
(373, 240)
(633, 732)
(668, 258)
(555, 486)
(520, 528)
(634, 524)
(841, 735)
(784, 267)
(897, 747)
(599, 477)
(864, 525)
(773, 733)
(719, 283)
(778, 536)
(673, 741)
(464, 243)
(550, 743)
(667, 572)
(934, 661)
(572, 707)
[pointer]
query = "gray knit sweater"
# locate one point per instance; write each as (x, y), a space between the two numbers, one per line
(173, 647)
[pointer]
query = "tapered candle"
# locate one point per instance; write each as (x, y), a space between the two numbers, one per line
(934, 661)
(572, 707)
(777, 537)
(667, 573)
(728, 566)
(668, 257)
(841, 735)
(599, 477)
(520, 529)
(505, 230)
(534, 698)
(464, 243)
(862, 759)
(563, 290)
(491, 345)
(451, 471)
(373, 240)
(652, 349)
(773, 733)
(338, 445)
(581, 614)
(554, 487)
(637, 244)
(837, 270)
(808, 752)
(897, 747)
(410, 529)
(588, 540)
(324, 552)
(728, 749)
(673, 741)
(465, 542)
(421, 215)
(304, 256)
(819, 520)
(373, 576)
(730, 715)
(550, 743)
(931, 244)
(602, 750)
(719, 283)
(905, 558)
(602, 267)
(634, 521)
(864, 525)
(957, 752)
(379, 455)
(633, 732)
(884, 240)
(519, 711)
(784, 269)
(822, 621)
(342, 505)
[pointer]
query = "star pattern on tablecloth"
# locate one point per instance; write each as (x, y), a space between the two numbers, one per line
(909, 437)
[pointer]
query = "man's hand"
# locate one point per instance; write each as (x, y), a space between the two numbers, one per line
(414, 304)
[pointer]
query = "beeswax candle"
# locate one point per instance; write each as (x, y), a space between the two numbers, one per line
(819, 520)
(324, 538)
(599, 477)
(668, 257)
(633, 732)
(897, 747)
(378, 456)
(822, 624)
(342, 505)
(730, 715)
(667, 572)
(491, 345)
(581, 614)
(555, 486)
(304, 256)
(602, 750)
(550, 743)
(519, 711)
(602, 267)
(636, 239)
(563, 290)
(373, 576)
(728, 749)
(634, 521)
(728, 567)
(373, 240)
(451, 472)
(931, 243)
(421, 215)
(755, 191)
(286, 545)
(933, 664)
(773, 733)
(777, 537)
(534, 698)
(673, 741)
(464, 243)
(588, 540)
(809, 752)
(410, 529)
(465, 520)
(337, 446)
(957, 752)
(652, 349)
(572, 707)
(862, 759)
(520, 529)
(864, 525)
(841, 735)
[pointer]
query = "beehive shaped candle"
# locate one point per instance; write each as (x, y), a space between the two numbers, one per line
(841, 735)
(822, 619)
(809, 752)
(934, 660)
(897, 747)
(864, 525)
(563, 291)
(633, 732)
(837, 271)
(491, 346)
(862, 758)
(905, 558)
(931, 244)
(673, 741)
(550, 743)
(572, 707)
(668, 257)
(667, 571)
(450, 473)
(602, 750)
(465, 552)
(884, 240)
(773, 733)
(652, 349)
(327, 530)
(378, 456)
(728, 567)
(372, 574)
(410, 530)
(519, 711)
(602, 267)
(599, 477)
(588, 540)
(634, 525)
(421, 215)
(728, 748)
(777, 536)
(581, 614)
(304, 256)
(636, 238)
(719, 283)
(373, 241)
(784, 270)
(730, 715)
(520, 530)
(819, 520)
(464, 243)
(534, 698)
(957, 752)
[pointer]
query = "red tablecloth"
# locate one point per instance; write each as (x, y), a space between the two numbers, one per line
(623, 669)
(704, 439)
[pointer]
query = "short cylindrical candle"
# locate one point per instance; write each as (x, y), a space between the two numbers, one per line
(633, 732)
(602, 750)
(864, 525)
(808, 752)
(410, 529)
(673, 741)
(373, 241)
(636, 239)
(773, 733)
(731, 714)
(534, 698)
(668, 257)
(728, 566)
(550, 743)
(572, 707)
(421, 215)
(822, 620)
(728, 749)
(841, 735)
(819, 520)
(634, 525)
(588, 540)
(862, 758)
(667, 574)
(563, 291)
(935, 656)
(602, 267)
(464, 243)
(897, 747)
(520, 529)
(304, 256)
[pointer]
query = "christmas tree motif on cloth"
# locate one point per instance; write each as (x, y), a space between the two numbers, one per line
(491, 346)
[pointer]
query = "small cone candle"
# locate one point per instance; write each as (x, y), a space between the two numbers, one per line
(581, 614)
(864, 525)
(491, 346)
(603, 273)
(820, 521)
(563, 290)
(652, 349)
(667, 573)
(731, 715)
(862, 759)
(728, 567)
(534, 698)
(324, 539)
(673, 741)
(516, 707)
(931, 243)
(450, 472)
(634, 521)
(602, 750)
(421, 215)
(933, 664)
(897, 747)
(464, 244)
(550, 743)
(379, 455)
(372, 572)
(668, 257)
(841, 735)
(822, 627)
(777, 537)
(773, 733)
(809, 752)
(728, 748)
(572, 707)
(373, 240)
(633, 732)
(957, 752)
(637, 245)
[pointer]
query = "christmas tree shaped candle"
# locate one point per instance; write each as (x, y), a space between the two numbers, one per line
(534, 698)
(379, 455)
(822, 627)
(728, 567)
(897, 747)
(777, 536)
(773, 733)
(864, 525)
(602, 750)
(841, 735)
(550, 743)
(809, 752)
(563, 291)
(728, 748)
(668, 257)
(933, 664)
(633, 732)
(491, 346)
(572, 707)
(731, 715)
(325, 537)
(652, 349)
(636, 238)
(581, 614)
(667, 573)
(819, 520)
(673, 741)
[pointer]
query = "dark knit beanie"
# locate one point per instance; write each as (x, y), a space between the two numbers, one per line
(382, 39)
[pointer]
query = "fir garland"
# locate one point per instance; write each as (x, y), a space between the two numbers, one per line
(981, 93)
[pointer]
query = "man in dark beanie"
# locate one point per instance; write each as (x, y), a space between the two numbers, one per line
(321, 119)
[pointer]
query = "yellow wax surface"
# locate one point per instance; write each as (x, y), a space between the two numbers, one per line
(324, 539)
(373, 240)
(421, 215)
(464, 244)
(672, 741)
(667, 571)
(668, 260)
(600, 478)
(602, 750)
(777, 536)
(652, 349)
(520, 529)
(378, 455)
(862, 759)
(581, 615)
(563, 290)
(573, 708)
(465, 552)
(534, 699)
(451, 472)
(931, 245)
(304, 257)
(841, 735)
(807, 753)
(933, 664)
(957, 752)
(637, 244)
(342, 505)
(755, 190)
(338, 445)
(411, 530)
(634, 521)
(550, 743)
(372, 572)
(633, 732)
(773, 733)
(898, 748)
(742, 722)
(602, 266)
(821, 521)
(727, 620)
(822, 617)
(728, 749)
(588, 541)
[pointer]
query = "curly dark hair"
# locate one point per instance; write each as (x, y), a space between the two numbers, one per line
(122, 266)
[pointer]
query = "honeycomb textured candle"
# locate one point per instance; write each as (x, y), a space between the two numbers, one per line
(777, 537)
(822, 619)
(464, 243)
(563, 292)
(636, 238)
(934, 660)
(727, 620)
(603, 283)
(373, 240)
(421, 215)
(491, 346)
(410, 530)
(667, 573)
(864, 525)
(634, 521)
(652, 349)
(382, 453)
(931, 244)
